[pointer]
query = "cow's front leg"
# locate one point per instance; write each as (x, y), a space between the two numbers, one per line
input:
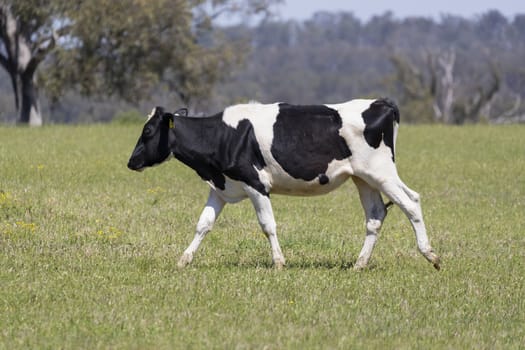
(263, 208)
(208, 216)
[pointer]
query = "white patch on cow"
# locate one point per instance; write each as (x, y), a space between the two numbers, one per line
(151, 114)
(258, 114)
(233, 190)
(364, 157)
(338, 172)
(265, 178)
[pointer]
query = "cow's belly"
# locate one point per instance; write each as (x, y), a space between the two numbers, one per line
(307, 188)
(281, 182)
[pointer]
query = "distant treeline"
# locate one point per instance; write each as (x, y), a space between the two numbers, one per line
(451, 70)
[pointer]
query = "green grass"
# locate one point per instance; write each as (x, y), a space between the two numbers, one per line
(88, 252)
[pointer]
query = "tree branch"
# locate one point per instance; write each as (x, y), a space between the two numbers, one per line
(512, 115)
(3, 62)
(51, 38)
(10, 60)
(484, 96)
(41, 51)
(411, 78)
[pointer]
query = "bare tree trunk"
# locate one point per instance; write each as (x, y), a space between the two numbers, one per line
(30, 111)
(447, 62)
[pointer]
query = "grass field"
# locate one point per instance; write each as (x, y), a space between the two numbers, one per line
(88, 252)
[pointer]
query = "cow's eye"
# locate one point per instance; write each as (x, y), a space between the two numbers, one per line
(148, 132)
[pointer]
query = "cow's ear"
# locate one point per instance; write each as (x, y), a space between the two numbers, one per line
(182, 112)
(169, 118)
(158, 110)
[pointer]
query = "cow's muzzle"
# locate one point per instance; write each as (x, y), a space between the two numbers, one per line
(135, 166)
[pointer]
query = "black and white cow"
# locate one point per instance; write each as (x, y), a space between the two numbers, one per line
(252, 150)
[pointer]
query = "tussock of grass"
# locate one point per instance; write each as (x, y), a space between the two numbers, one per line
(89, 250)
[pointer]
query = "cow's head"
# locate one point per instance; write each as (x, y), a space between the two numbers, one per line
(153, 145)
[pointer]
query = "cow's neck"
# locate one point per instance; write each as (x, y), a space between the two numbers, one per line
(195, 139)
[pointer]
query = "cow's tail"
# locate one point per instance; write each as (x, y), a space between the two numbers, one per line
(392, 111)
(395, 122)
(382, 122)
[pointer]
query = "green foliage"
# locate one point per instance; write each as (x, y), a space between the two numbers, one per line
(36, 15)
(89, 249)
(117, 48)
(126, 48)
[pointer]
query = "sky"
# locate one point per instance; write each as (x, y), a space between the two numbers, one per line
(364, 9)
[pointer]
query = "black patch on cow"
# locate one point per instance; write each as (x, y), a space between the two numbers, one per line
(306, 139)
(379, 120)
(214, 149)
(323, 179)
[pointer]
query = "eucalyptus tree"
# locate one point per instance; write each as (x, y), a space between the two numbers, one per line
(122, 48)
(29, 31)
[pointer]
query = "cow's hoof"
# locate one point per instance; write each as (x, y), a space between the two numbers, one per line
(434, 259)
(360, 264)
(185, 260)
(279, 263)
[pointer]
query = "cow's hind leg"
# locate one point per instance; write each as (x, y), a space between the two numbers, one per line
(263, 208)
(409, 202)
(375, 213)
(208, 216)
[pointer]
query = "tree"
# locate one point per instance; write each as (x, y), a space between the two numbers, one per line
(28, 34)
(434, 85)
(116, 47)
